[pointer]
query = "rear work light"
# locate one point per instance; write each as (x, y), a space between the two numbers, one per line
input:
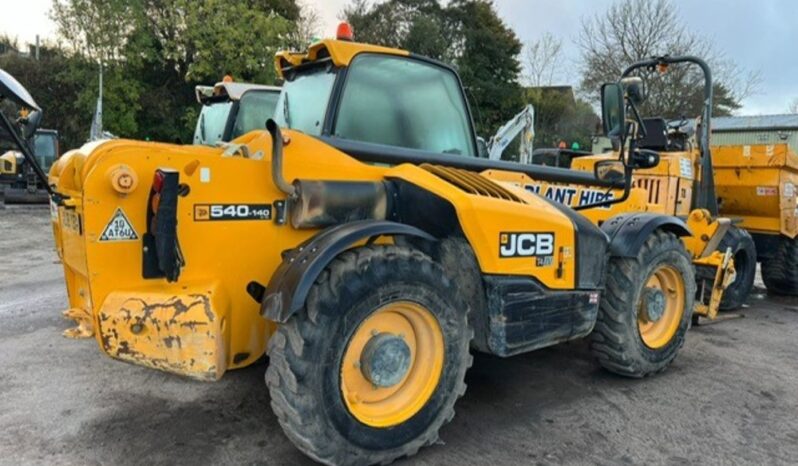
(162, 256)
(157, 181)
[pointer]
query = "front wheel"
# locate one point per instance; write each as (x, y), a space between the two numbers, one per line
(646, 308)
(780, 271)
(369, 370)
(744, 254)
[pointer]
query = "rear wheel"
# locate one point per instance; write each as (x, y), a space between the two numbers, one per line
(646, 308)
(744, 254)
(369, 370)
(780, 271)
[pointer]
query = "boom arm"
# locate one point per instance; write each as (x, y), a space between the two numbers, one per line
(523, 123)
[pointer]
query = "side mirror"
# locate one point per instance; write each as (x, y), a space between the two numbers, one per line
(609, 170)
(613, 110)
(644, 158)
(482, 148)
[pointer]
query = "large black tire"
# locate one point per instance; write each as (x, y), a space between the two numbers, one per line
(304, 375)
(780, 271)
(744, 254)
(616, 340)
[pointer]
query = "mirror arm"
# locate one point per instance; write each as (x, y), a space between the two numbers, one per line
(627, 182)
(627, 189)
(640, 125)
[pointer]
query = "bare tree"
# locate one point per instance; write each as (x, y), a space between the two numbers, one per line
(97, 29)
(307, 26)
(793, 107)
(543, 60)
(631, 30)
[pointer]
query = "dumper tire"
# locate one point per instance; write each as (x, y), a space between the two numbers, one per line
(780, 271)
(744, 255)
(616, 341)
(307, 356)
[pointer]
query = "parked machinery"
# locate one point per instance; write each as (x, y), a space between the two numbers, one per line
(363, 242)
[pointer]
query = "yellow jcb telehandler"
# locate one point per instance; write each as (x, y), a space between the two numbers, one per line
(361, 243)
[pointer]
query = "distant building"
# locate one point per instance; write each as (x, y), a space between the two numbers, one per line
(6, 47)
(750, 130)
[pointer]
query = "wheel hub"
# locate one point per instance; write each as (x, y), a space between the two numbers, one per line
(653, 307)
(385, 360)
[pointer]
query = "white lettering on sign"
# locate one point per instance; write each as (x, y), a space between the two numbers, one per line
(526, 244)
(571, 196)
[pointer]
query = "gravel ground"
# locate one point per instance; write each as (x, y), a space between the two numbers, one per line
(730, 397)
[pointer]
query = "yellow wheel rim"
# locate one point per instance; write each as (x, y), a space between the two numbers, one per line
(413, 328)
(661, 307)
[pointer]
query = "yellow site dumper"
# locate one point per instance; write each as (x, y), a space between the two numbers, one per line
(756, 185)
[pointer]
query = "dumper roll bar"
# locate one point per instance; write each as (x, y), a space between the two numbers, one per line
(703, 197)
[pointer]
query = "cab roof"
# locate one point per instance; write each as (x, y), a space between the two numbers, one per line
(229, 91)
(339, 51)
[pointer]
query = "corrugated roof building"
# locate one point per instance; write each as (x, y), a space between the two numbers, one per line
(750, 130)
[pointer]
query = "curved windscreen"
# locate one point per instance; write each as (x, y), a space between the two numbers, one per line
(254, 108)
(212, 123)
(303, 100)
(409, 103)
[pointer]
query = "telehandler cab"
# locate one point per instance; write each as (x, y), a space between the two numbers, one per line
(680, 184)
(232, 109)
(366, 246)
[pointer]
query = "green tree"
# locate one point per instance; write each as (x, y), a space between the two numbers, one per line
(486, 56)
(65, 86)
(156, 51)
(559, 116)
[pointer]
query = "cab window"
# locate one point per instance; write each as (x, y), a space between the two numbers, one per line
(254, 108)
(409, 103)
(212, 123)
(44, 149)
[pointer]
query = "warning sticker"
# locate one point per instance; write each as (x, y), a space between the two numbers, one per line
(789, 190)
(54, 211)
(766, 191)
(119, 229)
(685, 168)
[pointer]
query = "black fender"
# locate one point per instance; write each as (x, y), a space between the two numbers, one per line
(301, 266)
(628, 232)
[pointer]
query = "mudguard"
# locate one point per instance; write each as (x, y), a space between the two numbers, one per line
(301, 266)
(628, 232)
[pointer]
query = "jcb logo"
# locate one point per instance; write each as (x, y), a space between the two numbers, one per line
(526, 244)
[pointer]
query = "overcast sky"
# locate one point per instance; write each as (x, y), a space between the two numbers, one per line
(758, 34)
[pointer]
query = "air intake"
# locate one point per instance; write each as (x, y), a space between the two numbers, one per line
(471, 182)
